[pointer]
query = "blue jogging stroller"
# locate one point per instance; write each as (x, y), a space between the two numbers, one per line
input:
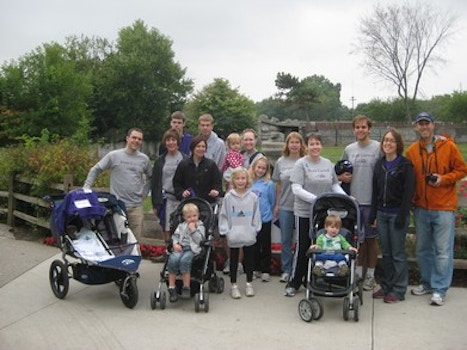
(98, 247)
(331, 283)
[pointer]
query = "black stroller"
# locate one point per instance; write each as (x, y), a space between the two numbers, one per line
(331, 284)
(203, 266)
(92, 228)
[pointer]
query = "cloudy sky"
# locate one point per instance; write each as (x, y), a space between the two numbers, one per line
(244, 41)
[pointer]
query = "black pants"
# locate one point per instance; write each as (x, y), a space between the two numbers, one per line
(248, 260)
(300, 262)
(263, 249)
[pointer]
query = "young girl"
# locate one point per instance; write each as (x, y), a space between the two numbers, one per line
(264, 188)
(233, 158)
(240, 220)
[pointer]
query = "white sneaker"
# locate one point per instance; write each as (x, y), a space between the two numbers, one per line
(420, 290)
(265, 277)
(235, 293)
(284, 277)
(369, 283)
(437, 299)
(256, 274)
(240, 268)
(249, 291)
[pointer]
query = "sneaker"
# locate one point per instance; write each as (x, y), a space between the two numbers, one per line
(437, 299)
(249, 291)
(186, 293)
(379, 294)
(343, 270)
(284, 277)
(235, 293)
(256, 274)
(240, 269)
(390, 299)
(226, 269)
(265, 277)
(173, 295)
(318, 271)
(420, 290)
(290, 292)
(369, 283)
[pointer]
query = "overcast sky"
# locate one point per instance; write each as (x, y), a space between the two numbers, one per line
(244, 41)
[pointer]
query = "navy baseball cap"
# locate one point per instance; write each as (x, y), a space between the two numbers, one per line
(424, 116)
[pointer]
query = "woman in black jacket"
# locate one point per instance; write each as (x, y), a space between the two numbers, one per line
(393, 187)
(198, 176)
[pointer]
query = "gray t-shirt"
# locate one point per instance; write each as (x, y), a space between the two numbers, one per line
(363, 159)
(282, 171)
(315, 177)
(130, 175)
(168, 171)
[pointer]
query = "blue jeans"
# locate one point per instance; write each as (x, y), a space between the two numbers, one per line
(435, 248)
(395, 276)
(286, 222)
(180, 261)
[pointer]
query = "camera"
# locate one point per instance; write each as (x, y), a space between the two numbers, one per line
(431, 178)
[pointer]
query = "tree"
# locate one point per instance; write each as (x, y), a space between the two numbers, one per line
(400, 41)
(232, 111)
(140, 84)
(45, 89)
(314, 96)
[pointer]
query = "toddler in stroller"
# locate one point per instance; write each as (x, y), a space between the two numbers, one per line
(190, 252)
(186, 242)
(335, 222)
(331, 239)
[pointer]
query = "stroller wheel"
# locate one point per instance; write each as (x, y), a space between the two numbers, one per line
(163, 300)
(356, 304)
(197, 302)
(129, 292)
(317, 308)
(59, 280)
(305, 310)
(346, 308)
(220, 285)
(153, 301)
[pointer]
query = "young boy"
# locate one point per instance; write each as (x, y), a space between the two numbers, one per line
(186, 244)
(331, 240)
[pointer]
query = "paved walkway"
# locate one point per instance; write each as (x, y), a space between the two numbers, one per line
(93, 317)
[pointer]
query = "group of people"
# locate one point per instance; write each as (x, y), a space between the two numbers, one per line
(385, 183)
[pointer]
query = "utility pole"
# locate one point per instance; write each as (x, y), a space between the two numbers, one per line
(353, 99)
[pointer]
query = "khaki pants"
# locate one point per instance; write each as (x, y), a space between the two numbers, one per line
(135, 220)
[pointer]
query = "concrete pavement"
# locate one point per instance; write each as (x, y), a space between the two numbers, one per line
(93, 317)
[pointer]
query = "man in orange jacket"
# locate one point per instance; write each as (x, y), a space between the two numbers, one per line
(438, 165)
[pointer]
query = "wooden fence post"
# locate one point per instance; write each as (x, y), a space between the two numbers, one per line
(67, 183)
(11, 201)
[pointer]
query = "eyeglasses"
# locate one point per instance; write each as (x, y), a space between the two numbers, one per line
(389, 141)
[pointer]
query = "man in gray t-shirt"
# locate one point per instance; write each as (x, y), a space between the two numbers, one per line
(130, 177)
(363, 155)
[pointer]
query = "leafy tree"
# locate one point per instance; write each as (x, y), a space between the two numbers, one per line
(45, 90)
(383, 111)
(400, 41)
(315, 97)
(139, 84)
(458, 107)
(231, 111)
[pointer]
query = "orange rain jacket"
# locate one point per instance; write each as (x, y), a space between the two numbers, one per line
(446, 160)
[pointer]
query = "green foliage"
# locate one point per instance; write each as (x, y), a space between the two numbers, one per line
(392, 110)
(48, 159)
(231, 111)
(139, 84)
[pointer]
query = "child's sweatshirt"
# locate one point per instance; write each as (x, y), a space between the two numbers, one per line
(240, 218)
(266, 193)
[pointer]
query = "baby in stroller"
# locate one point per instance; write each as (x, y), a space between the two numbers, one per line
(332, 238)
(186, 242)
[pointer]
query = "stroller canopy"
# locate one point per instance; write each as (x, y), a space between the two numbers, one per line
(82, 203)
